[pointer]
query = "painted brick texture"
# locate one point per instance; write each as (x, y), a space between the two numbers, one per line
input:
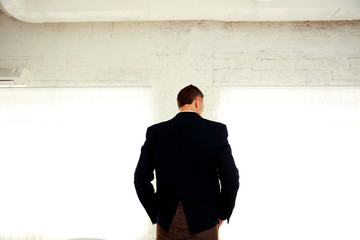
(170, 55)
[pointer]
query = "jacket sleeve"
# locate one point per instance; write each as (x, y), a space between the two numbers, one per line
(228, 175)
(144, 174)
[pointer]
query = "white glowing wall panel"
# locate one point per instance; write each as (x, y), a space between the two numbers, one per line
(68, 156)
(67, 162)
(297, 150)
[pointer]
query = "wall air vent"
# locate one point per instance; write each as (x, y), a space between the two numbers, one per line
(14, 77)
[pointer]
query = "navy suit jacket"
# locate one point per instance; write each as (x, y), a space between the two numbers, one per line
(193, 163)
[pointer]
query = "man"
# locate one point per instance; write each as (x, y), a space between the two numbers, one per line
(189, 155)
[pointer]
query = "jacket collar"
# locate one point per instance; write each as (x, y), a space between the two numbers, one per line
(187, 114)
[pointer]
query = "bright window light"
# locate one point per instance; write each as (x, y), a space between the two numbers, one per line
(67, 162)
(297, 150)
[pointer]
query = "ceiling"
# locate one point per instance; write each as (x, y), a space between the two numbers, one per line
(42, 11)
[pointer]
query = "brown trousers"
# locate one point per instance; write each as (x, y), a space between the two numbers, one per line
(179, 230)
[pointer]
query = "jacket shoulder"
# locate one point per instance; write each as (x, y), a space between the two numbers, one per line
(158, 125)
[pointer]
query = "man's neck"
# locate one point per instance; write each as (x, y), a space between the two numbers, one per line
(187, 108)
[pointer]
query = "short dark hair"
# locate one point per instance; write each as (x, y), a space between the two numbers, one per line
(187, 95)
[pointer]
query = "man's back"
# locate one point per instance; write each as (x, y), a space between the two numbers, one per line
(188, 154)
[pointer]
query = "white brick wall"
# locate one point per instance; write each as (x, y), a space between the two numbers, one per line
(170, 55)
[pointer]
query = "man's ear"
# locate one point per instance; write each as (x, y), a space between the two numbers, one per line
(197, 101)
